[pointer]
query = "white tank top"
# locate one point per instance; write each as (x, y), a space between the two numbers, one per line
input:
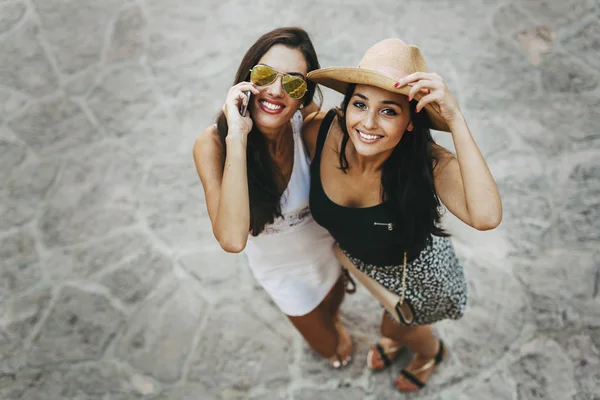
(293, 257)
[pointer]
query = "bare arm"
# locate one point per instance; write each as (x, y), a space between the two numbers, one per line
(224, 177)
(464, 184)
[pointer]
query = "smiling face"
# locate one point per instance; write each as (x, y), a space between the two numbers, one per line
(376, 120)
(273, 107)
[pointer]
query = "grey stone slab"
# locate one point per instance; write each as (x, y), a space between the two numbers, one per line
(241, 353)
(18, 318)
(78, 328)
(489, 312)
(66, 22)
(81, 382)
(10, 15)
(327, 394)
(132, 281)
(11, 102)
(95, 195)
(564, 285)
(163, 329)
(122, 98)
(12, 154)
(585, 356)
(83, 261)
(508, 20)
(156, 138)
(19, 266)
(21, 196)
(557, 13)
(544, 372)
(23, 62)
(562, 74)
(500, 386)
(128, 36)
(189, 392)
(577, 192)
(80, 84)
(221, 273)
(586, 42)
(54, 125)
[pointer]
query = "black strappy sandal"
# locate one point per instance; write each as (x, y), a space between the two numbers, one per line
(411, 376)
(384, 354)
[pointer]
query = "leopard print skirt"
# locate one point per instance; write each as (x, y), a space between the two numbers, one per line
(436, 287)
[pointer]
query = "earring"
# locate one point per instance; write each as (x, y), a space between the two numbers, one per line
(301, 107)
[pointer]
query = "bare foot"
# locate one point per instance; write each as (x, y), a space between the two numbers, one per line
(344, 348)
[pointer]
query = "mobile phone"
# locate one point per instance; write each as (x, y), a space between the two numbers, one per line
(244, 108)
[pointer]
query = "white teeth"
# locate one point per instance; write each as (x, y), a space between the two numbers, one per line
(368, 137)
(271, 106)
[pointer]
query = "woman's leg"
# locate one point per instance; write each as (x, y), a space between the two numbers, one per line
(420, 340)
(319, 329)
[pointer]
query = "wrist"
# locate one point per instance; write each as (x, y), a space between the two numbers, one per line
(456, 122)
(236, 139)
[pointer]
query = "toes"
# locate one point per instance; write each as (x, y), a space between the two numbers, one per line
(405, 385)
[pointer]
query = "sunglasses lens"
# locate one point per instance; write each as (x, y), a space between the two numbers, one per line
(261, 75)
(294, 86)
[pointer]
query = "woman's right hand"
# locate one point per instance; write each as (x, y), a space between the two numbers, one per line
(235, 98)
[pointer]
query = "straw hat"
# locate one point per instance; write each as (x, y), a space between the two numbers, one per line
(383, 65)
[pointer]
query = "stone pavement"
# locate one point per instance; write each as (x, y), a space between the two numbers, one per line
(111, 284)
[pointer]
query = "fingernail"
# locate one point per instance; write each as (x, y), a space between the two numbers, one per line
(396, 84)
(409, 98)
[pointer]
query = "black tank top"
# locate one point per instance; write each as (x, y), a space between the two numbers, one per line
(368, 233)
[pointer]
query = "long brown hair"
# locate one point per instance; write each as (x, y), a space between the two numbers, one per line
(263, 193)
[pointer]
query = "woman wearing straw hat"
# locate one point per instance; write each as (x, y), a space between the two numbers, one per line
(378, 182)
(255, 175)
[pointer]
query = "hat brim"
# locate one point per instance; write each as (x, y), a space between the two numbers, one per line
(338, 79)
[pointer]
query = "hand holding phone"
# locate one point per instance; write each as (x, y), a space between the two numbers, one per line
(244, 107)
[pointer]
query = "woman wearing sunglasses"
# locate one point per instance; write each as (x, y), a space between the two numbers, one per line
(378, 181)
(256, 180)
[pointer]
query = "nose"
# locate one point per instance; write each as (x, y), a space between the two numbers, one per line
(275, 89)
(370, 120)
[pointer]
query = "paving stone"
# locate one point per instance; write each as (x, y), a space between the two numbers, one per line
(127, 41)
(10, 15)
(326, 394)
(557, 13)
(566, 294)
(537, 41)
(84, 381)
(95, 195)
(562, 74)
(21, 196)
(11, 102)
(188, 392)
(488, 310)
(122, 98)
(221, 273)
(54, 125)
(577, 192)
(18, 318)
(509, 19)
(78, 328)
(12, 154)
(156, 138)
(586, 360)
(241, 353)
(163, 328)
(543, 372)
(80, 84)
(65, 22)
(586, 42)
(137, 277)
(19, 267)
(500, 386)
(23, 62)
(83, 261)
(175, 209)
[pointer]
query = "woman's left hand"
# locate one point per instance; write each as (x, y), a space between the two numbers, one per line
(435, 92)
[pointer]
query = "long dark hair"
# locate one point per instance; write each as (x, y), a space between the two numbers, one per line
(262, 172)
(407, 180)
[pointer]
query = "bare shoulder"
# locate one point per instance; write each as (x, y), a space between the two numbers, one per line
(310, 130)
(208, 151)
